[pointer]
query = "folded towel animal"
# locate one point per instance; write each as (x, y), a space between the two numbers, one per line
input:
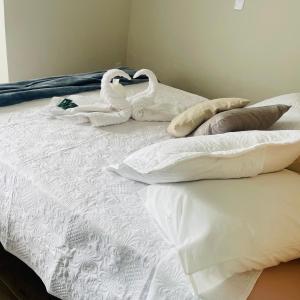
(141, 101)
(110, 108)
(145, 105)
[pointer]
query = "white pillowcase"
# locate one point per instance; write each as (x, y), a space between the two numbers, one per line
(224, 227)
(229, 155)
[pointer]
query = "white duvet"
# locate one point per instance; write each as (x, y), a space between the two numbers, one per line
(85, 231)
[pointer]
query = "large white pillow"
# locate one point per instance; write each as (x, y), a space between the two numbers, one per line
(224, 227)
(229, 155)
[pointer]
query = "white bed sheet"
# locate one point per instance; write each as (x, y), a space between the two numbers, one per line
(85, 231)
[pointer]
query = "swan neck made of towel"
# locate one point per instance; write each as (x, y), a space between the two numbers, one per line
(113, 93)
(143, 97)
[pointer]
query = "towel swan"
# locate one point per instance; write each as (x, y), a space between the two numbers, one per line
(141, 101)
(114, 96)
(113, 108)
(113, 93)
(149, 93)
(144, 106)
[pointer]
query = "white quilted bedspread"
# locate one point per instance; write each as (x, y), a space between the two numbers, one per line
(83, 230)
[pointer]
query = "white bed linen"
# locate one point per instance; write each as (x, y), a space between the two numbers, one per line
(85, 231)
(225, 227)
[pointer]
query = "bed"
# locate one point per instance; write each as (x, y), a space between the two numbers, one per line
(82, 229)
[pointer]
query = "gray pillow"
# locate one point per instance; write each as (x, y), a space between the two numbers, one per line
(240, 119)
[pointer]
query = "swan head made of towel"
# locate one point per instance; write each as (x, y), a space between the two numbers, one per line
(113, 93)
(146, 97)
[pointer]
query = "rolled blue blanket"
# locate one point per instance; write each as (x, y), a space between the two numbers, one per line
(22, 91)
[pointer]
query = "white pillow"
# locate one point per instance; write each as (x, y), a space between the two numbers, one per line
(229, 155)
(224, 227)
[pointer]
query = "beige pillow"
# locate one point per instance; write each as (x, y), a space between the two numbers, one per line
(189, 120)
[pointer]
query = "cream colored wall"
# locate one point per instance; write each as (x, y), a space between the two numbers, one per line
(3, 56)
(206, 47)
(50, 37)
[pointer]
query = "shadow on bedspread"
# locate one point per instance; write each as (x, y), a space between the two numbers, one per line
(18, 281)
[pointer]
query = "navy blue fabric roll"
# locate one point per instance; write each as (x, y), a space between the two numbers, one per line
(22, 91)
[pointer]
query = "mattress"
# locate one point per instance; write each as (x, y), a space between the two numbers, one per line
(83, 230)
